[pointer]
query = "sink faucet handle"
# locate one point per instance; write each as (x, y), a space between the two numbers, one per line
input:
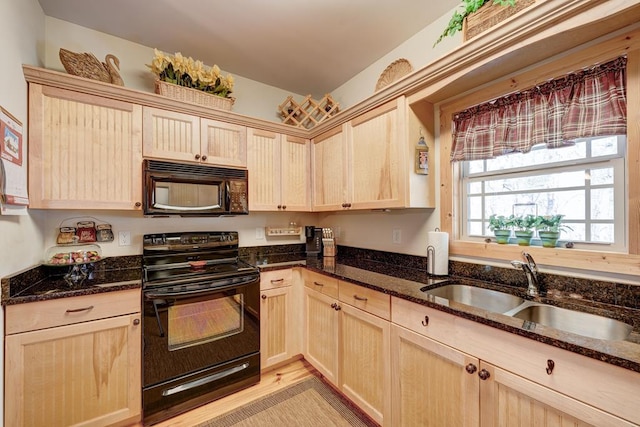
(532, 264)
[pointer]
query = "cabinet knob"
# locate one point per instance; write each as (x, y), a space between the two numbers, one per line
(136, 322)
(263, 296)
(334, 305)
(338, 308)
(197, 156)
(204, 158)
(137, 204)
(471, 368)
(550, 365)
(284, 207)
(279, 206)
(484, 374)
(344, 205)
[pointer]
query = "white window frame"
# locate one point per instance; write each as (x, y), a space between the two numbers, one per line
(617, 161)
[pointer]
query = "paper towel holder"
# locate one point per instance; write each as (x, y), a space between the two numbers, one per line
(431, 259)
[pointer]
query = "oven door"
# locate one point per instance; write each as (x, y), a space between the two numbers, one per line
(199, 345)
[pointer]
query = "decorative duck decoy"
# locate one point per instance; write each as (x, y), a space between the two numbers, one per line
(88, 66)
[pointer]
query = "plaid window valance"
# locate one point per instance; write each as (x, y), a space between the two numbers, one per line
(587, 103)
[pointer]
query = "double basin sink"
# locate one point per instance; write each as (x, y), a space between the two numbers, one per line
(577, 322)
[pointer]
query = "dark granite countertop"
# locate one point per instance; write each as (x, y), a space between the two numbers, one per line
(43, 282)
(407, 283)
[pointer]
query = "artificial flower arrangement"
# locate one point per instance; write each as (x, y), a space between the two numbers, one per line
(187, 72)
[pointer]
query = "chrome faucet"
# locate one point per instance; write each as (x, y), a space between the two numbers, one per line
(531, 271)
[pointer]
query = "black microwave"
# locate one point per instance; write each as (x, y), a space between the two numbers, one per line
(193, 190)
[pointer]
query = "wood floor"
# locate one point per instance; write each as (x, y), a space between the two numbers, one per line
(270, 382)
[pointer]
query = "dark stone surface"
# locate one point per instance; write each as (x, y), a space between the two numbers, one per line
(399, 275)
(44, 282)
(405, 277)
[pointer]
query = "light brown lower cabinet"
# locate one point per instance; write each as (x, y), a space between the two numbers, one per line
(280, 316)
(85, 373)
(455, 372)
(350, 346)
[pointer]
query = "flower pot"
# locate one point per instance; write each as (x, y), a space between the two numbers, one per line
(523, 237)
(502, 236)
(549, 238)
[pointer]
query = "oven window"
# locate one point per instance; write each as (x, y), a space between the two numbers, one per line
(205, 321)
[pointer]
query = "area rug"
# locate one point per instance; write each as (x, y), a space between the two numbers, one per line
(310, 403)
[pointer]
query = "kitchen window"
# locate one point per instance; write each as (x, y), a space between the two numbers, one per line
(585, 182)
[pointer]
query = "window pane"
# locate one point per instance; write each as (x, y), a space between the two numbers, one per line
(604, 146)
(602, 204)
(556, 180)
(602, 176)
(577, 234)
(475, 208)
(475, 187)
(602, 233)
(538, 155)
(476, 166)
(475, 228)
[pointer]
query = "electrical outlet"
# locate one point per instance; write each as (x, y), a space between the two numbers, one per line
(124, 238)
(338, 232)
(259, 233)
(397, 236)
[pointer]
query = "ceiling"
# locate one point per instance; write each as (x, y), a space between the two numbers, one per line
(303, 46)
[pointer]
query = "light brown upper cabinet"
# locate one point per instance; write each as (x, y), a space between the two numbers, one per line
(279, 178)
(85, 151)
(183, 137)
(368, 163)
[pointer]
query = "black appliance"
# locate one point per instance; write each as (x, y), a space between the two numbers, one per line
(201, 323)
(193, 190)
(313, 236)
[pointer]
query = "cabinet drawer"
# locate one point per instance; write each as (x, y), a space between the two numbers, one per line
(65, 311)
(374, 302)
(423, 320)
(275, 279)
(319, 282)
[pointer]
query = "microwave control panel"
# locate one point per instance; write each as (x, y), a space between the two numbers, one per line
(238, 196)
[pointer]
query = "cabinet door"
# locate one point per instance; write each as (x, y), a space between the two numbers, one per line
(375, 159)
(171, 135)
(223, 143)
(84, 151)
(85, 373)
(263, 164)
(296, 174)
(433, 385)
(364, 367)
(330, 190)
(321, 334)
(275, 326)
(508, 399)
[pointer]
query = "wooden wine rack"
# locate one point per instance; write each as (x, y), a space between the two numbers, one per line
(309, 112)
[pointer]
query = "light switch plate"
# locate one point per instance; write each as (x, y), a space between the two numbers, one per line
(259, 233)
(397, 236)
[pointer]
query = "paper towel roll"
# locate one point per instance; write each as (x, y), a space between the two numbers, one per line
(438, 253)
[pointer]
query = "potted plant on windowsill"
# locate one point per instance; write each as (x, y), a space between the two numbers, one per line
(523, 228)
(549, 228)
(499, 224)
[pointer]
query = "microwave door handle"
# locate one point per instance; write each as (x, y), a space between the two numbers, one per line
(185, 208)
(227, 197)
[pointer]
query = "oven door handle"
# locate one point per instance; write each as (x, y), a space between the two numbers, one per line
(205, 380)
(150, 295)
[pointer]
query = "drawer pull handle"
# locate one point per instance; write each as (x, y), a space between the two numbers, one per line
(78, 310)
(471, 368)
(318, 284)
(550, 365)
(277, 281)
(425, 322)
(357, 298)
(484, 374)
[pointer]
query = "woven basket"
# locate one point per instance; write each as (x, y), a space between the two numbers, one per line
(181, 93)
(489, 15)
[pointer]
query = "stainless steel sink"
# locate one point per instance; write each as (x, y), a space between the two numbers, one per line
(577, 322)
(487, 299)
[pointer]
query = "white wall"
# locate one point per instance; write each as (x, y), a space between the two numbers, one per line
(253, 98)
